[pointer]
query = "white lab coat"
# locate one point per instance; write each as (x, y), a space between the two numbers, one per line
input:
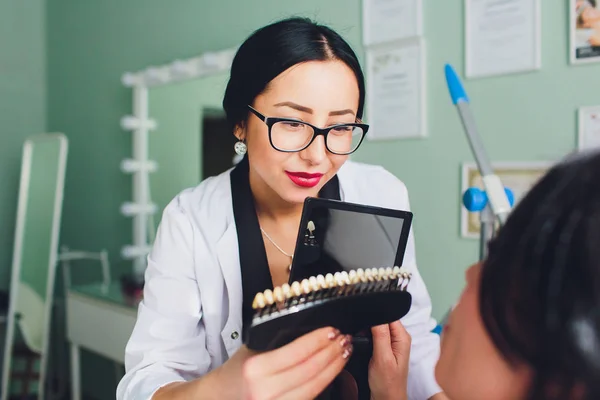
(190, 320)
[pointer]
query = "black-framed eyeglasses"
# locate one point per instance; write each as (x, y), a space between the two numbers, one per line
(291, 135)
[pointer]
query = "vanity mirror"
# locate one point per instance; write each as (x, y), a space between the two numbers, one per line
(179, 137)
(35, 254)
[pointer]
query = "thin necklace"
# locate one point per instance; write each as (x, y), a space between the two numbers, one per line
(291, 256)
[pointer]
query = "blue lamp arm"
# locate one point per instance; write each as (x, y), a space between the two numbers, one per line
(499, 202)
(495, 201)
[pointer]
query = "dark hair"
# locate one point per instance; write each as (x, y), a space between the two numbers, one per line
(540, 284)
(273, 49)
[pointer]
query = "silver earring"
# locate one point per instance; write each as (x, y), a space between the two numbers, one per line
(240, 148)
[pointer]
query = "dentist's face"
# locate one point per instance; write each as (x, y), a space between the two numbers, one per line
(322, 93)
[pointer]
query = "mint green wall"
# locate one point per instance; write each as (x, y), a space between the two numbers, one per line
(522, 117)
(22, 106)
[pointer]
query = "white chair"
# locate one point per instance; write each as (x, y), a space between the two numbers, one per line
(67, 255)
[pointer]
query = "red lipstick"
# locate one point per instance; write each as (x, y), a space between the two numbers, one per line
(304, 179)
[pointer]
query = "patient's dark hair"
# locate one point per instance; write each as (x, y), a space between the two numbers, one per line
(540, 288)
(273, 49)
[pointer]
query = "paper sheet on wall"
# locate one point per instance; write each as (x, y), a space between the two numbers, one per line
(590, 131)
(395, 91)
(390, 20)
(502, 37)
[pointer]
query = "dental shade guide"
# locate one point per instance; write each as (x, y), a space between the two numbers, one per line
(348, 301)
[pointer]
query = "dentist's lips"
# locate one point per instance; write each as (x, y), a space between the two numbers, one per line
(304, 179)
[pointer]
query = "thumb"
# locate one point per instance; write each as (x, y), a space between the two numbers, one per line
(400, 339)
(381, 340)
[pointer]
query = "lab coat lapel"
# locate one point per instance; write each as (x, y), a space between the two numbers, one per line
(255, 272)
(229, 262)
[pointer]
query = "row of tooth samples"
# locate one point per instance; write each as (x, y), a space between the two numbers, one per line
(338, 284)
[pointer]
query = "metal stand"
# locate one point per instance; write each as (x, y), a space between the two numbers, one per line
(476, 200)
(498, 206)
(487, 231)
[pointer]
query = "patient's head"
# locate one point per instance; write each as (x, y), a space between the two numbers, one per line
(299, 70)
(527, 325)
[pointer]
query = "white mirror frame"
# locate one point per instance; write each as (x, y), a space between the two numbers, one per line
(26, 162)
(139, 123)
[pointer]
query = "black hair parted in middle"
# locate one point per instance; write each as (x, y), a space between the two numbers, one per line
(273, 49)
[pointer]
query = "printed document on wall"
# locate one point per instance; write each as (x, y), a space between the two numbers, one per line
(589, 128)
(389, 20)
(502, 37)
(395, 90)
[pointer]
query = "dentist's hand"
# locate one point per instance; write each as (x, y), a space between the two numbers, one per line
(299, 370)
(388, 369)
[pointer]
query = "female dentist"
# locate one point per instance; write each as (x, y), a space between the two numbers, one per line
(294, 100)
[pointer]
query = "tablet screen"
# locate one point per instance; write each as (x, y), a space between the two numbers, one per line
(337, 236)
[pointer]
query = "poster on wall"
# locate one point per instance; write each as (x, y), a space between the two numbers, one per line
(589, 128)
(519, 177)
(386, 21)
(584, 31)
(502, 37)
(396, 90)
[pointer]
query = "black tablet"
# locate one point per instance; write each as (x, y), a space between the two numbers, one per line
(336, 236)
